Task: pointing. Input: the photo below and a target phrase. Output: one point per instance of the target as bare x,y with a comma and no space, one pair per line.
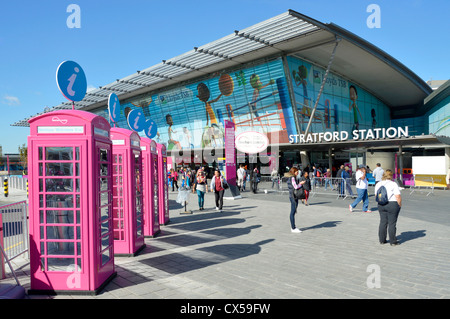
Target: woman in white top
389,212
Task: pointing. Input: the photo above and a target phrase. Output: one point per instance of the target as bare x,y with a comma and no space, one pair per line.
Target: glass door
118,197
104,200
139,203
60,197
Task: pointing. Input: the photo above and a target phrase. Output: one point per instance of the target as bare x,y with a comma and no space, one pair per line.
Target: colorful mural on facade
343,106
192,116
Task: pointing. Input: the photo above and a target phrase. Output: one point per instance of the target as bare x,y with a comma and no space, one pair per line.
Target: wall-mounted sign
114,107
357,135
251,142
71,80
150,129
136,120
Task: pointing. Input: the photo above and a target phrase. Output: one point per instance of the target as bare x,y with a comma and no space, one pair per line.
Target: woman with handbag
201,188
294,195
218,186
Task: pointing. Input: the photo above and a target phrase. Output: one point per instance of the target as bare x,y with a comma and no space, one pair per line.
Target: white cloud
90,88
11,100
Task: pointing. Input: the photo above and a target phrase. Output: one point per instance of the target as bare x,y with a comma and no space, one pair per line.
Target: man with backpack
389,199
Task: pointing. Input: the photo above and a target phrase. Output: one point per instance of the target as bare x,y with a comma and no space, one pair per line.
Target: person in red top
217,187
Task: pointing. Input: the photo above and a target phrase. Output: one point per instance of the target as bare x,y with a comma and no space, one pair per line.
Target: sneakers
217,208
351,208
367,211
296,230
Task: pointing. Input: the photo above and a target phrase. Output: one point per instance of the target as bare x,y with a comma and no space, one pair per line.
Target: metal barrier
14,225
336,186
268,185
16,182
425,183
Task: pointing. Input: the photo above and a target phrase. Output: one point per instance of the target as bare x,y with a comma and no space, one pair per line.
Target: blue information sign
71,80
150,129
136,120
114,107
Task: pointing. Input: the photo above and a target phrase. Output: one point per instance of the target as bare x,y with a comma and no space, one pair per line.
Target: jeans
362,196
294,205
219,198
328,181
201,198
388,221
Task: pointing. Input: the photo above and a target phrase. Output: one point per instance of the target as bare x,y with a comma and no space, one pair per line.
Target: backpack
381,196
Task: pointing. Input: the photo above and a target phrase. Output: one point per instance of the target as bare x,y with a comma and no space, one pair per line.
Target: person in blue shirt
347,178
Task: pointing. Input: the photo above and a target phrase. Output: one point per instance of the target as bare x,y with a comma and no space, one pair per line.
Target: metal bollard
5,187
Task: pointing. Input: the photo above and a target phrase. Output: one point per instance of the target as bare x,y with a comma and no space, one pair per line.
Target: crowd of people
298,183
299,186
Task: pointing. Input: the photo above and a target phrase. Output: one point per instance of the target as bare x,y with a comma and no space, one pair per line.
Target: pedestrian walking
346,182
306,184
274,176
389,212
241,175
328,179
174,176
201,188
255,179
361,189
378,173
293,184
217,186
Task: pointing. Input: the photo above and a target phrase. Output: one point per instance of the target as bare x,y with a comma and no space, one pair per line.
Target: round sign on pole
136,120
251,142
150,129
71,81
114,107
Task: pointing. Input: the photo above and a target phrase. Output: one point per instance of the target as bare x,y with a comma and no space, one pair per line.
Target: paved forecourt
248,251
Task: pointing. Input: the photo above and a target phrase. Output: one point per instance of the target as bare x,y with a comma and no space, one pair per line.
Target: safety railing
16,182
334,186
423,184
14,229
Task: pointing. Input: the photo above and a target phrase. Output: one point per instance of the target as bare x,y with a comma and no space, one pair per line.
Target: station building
319,93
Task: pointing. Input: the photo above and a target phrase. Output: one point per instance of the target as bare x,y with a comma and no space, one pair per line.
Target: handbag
299,193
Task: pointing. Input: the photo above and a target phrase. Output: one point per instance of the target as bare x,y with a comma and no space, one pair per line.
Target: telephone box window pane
59,185
60,232
60,248
104,169
77,169
105,257
78,217
105,242
59,217
59,153
59,169
78,201
41,185
104,184
77,153
104,198
78,232
40,152
60,264
41,169
103,155
59,201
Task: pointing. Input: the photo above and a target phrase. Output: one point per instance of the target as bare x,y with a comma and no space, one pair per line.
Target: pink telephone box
70,203
163,187
127,192
150,186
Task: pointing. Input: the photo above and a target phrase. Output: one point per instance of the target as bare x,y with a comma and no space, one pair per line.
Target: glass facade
343,105
256,97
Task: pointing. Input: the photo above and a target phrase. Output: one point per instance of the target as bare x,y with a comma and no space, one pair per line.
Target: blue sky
117,38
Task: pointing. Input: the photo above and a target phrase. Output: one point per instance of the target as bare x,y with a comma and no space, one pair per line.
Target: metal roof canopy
290,33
